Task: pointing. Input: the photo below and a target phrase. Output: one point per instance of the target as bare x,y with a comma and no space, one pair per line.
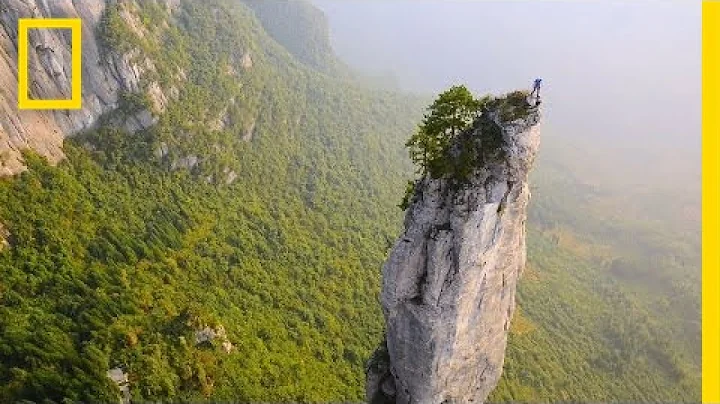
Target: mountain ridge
106,76
262,202
226,212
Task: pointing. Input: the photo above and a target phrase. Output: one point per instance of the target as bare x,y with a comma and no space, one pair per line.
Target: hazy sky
623,71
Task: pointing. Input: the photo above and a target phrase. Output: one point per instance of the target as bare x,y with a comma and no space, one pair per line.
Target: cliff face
105,76
448,291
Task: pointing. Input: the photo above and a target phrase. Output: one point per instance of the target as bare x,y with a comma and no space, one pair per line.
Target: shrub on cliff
511,107
451,113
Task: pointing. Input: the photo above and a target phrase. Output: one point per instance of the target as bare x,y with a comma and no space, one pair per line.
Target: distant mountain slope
106,76
610,302
302,29
231,251
217,229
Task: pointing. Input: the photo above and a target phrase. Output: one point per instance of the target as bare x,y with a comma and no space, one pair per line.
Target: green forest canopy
116,259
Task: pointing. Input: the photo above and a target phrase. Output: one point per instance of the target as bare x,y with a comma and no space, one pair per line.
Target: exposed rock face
208,335
119,377
246,62
4,235
104,77
449,283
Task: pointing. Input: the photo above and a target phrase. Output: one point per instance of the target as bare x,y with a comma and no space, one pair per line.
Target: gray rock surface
209,335
448,290
120,378
104,76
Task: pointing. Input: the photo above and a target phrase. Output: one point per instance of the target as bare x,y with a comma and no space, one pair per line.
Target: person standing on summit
536,91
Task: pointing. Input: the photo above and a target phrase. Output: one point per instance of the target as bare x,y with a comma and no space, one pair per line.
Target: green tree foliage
447,124
113,31
606,329
116,258
451,113
512,106
302,29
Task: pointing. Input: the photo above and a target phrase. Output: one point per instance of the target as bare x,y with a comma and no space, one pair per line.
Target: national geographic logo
75,27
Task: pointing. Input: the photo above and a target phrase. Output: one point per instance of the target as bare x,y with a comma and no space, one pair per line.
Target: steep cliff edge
106,76
448,290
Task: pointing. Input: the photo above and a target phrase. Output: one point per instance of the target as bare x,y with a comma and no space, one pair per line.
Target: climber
536,91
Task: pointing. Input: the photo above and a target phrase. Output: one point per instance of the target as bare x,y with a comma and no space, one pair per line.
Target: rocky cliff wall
105,75
448,291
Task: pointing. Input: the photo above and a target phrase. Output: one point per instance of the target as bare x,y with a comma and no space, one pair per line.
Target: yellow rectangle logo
711,203
75,27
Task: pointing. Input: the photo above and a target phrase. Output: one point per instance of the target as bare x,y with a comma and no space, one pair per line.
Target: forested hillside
300,28
272,225
610,300
260,207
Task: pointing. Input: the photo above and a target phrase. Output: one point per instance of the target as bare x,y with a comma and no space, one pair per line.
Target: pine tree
451,113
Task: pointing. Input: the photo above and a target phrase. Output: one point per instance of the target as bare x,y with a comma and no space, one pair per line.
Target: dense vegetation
446,143
117,260
610,300
263,201
302,29
451,113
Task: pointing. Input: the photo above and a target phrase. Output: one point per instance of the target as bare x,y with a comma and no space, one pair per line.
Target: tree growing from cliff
451,113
